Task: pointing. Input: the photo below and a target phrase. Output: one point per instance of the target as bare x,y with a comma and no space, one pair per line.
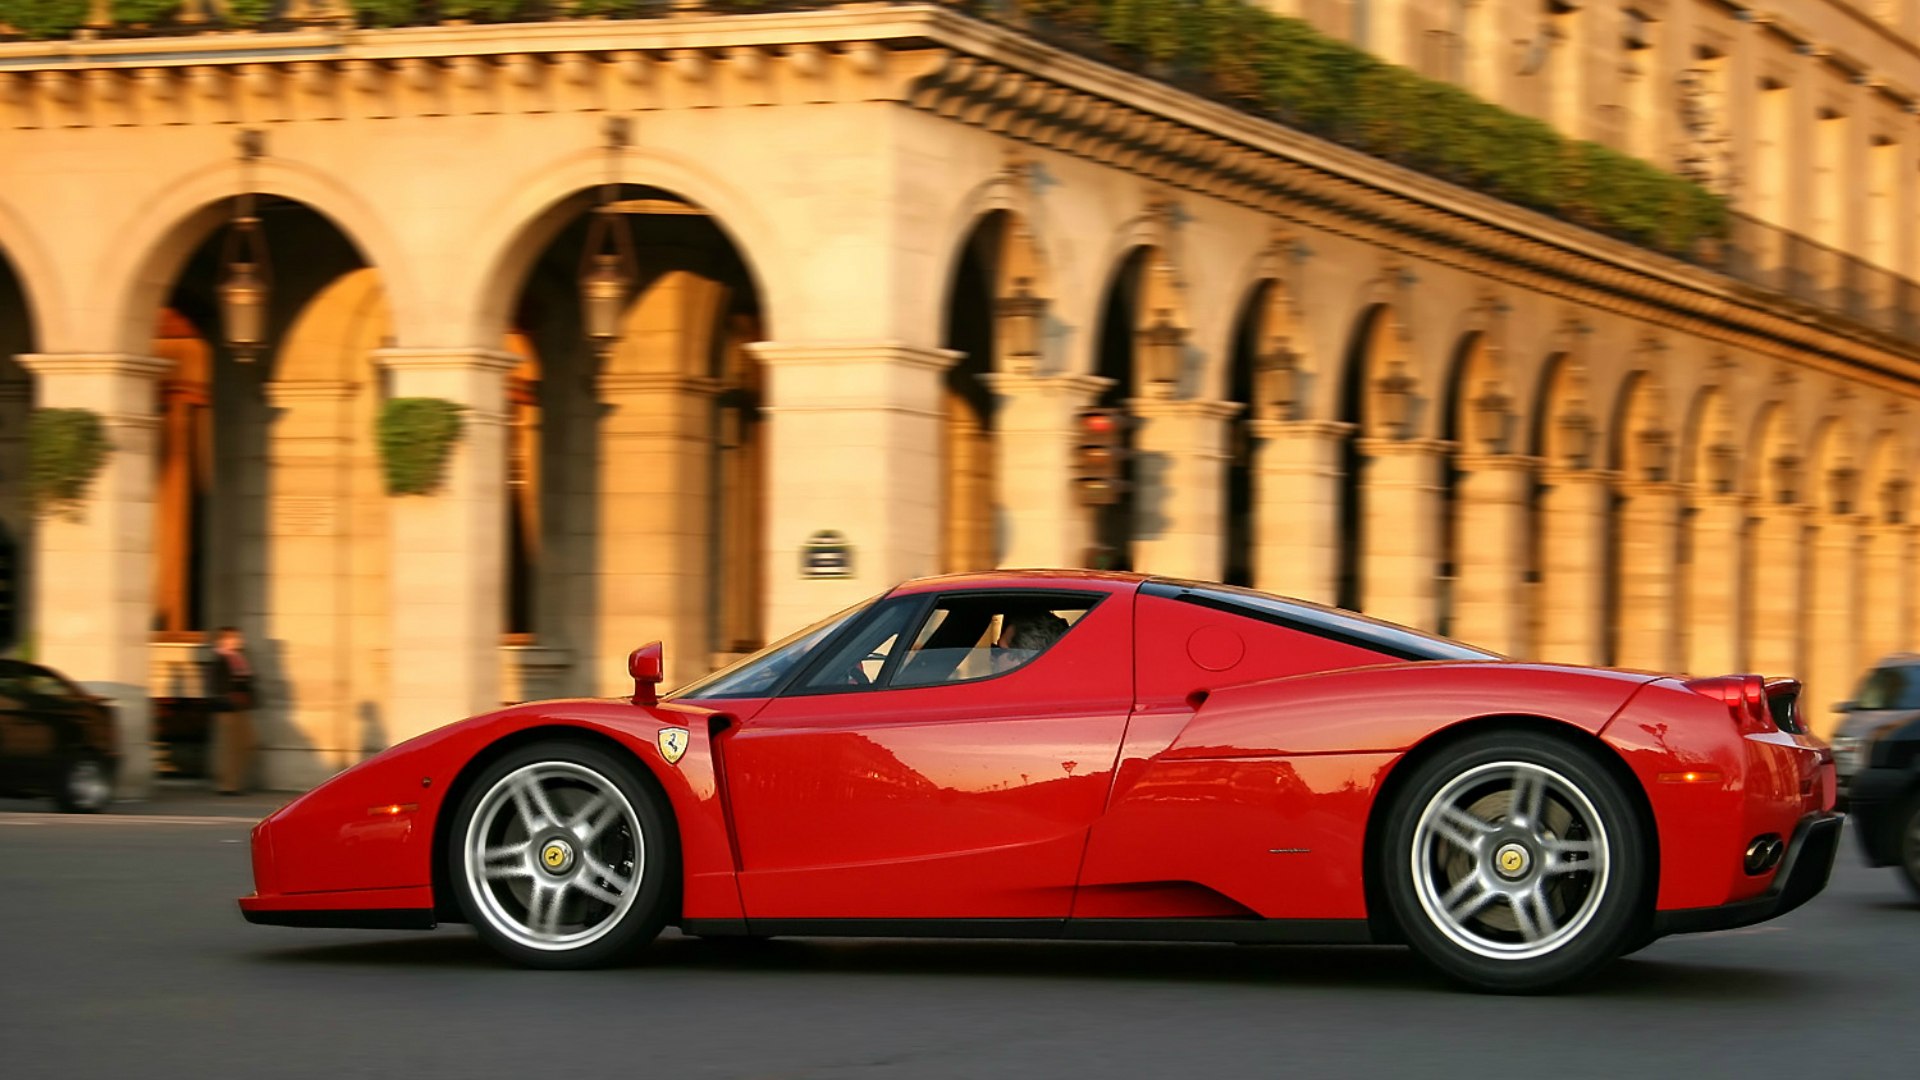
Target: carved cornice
974,73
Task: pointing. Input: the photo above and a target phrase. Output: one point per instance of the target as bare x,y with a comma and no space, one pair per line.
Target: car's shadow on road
1319,967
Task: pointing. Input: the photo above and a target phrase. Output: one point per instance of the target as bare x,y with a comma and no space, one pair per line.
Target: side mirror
647,664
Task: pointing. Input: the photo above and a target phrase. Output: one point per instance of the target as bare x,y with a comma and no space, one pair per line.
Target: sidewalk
178,798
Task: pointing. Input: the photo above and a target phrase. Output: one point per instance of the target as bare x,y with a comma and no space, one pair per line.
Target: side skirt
1245,931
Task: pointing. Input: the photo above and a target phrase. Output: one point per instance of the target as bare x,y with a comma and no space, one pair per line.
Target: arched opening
1712,550
1114,525
16,512
268,514
1262,343
1832,580
1773,575
978,281
1642,533
635,469
1355,409
1568,514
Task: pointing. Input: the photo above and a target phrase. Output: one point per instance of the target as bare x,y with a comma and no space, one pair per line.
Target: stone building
878,256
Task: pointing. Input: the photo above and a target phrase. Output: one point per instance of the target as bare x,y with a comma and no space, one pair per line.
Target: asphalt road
121,955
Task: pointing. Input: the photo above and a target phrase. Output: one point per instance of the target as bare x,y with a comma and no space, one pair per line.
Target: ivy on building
66,449
416,437
1230,50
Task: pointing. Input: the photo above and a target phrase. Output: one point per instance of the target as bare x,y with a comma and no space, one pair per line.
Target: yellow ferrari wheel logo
1510,861
555,855
673,744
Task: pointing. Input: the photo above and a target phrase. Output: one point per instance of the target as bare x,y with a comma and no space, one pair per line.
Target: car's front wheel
561,856
85,786
1514,863
1910,844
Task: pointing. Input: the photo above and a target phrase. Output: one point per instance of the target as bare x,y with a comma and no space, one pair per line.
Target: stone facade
1501,426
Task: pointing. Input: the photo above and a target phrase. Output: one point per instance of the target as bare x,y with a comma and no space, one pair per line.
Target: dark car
55,739
1883,741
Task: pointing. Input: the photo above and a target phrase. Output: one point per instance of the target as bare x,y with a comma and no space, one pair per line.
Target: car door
928,765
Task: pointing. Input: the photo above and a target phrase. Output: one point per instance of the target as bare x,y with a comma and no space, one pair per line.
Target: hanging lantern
1495,410
1163,341
1844,478
1786,474
1278,376
1576,437
1396,401
1894,496
1720,466
607,274
1656,450
245,286
1020,316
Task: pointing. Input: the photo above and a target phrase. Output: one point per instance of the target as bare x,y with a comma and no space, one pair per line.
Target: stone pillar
449,548
305,728
1715,607
1296,499
1490,552
1777,615
1888,595
1400,501
1649,625
93,594
656,512
1037,520
1833,623
1573,527
1179,492
853,448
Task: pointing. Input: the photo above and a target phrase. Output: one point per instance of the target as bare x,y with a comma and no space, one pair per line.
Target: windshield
763,672
1889,688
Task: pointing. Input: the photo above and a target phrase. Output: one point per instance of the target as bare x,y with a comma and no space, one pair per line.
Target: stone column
1179,494
93,594
1833,640
306,725
1715,606
1037,520
1296,498
853,448
1490,551
656,512
1400,501
1573,528
1887,596
1649,625
1777,615
449,548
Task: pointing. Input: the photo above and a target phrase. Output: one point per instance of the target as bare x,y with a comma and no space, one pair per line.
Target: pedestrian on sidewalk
231,686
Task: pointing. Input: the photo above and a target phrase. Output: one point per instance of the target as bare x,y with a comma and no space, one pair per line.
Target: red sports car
1089,756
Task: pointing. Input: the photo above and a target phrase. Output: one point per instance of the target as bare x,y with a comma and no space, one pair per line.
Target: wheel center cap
1511,861
556,856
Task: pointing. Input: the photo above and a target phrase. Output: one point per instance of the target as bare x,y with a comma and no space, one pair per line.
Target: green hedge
1235,51
65,451
416,437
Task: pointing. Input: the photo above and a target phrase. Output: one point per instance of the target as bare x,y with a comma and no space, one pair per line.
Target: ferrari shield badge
673,744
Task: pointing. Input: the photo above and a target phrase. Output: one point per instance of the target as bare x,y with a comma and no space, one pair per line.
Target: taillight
1745,697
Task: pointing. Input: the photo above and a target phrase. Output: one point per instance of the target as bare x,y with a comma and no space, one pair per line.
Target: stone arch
159,237
35,278
1709,457
1886,497
1774,467
1640,443
17,335
1833,476
513,232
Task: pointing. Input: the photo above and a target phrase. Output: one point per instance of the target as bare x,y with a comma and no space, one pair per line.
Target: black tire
1567,922
85,784
490,905
1910,844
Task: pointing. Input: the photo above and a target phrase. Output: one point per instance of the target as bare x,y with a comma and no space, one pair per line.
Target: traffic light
1100,458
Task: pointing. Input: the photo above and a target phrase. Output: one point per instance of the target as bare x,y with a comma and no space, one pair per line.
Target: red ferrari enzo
1089,756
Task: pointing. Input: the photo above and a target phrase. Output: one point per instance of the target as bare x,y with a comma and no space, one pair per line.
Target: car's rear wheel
561,854
85,787
1514,863
1910,844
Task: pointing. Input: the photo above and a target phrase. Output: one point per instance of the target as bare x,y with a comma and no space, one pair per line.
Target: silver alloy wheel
1510,860
554,856
87,785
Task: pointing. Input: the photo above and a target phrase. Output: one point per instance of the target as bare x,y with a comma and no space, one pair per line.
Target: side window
977,637
858,662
